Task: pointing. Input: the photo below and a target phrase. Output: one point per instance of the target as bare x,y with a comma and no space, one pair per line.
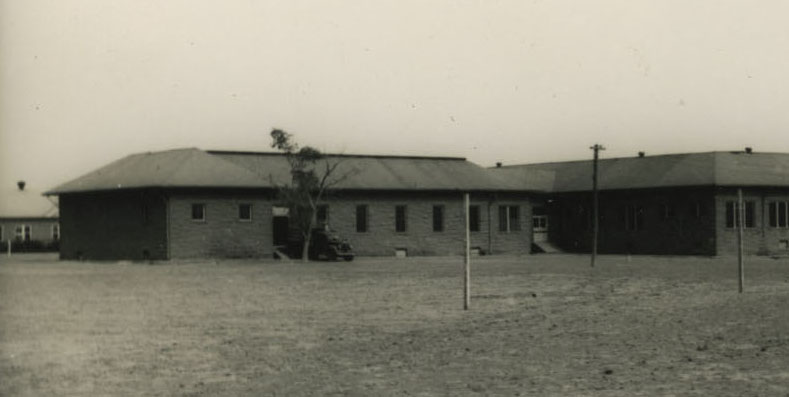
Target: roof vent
641,154
21,185
498,164
749,150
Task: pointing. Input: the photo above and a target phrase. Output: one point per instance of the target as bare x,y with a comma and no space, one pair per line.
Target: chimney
641,154
498,164
749,150
21,185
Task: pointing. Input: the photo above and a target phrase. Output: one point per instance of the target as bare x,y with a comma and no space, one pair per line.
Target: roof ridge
387,156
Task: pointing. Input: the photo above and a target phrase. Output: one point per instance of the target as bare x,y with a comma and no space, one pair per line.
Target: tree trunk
305,250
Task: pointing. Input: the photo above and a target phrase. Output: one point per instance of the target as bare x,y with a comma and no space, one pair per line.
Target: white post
740,248
467,254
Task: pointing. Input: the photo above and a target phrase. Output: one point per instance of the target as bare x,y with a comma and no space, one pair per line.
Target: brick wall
762,239
119,225
683,232
381,239
222,234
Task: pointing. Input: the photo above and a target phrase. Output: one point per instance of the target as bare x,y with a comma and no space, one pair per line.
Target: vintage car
326,245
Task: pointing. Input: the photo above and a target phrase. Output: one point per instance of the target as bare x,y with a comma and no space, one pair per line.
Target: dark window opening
733,214
245,212
509,218
400,218
634,217
361,218
198,212
777,214
438,218
473,218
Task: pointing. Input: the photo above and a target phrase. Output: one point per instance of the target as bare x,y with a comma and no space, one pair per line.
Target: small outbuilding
28,220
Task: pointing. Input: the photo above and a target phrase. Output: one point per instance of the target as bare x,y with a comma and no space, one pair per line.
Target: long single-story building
28,221
665,204
189,203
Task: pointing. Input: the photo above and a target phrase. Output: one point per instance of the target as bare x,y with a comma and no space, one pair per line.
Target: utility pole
467,256
740,225
595,201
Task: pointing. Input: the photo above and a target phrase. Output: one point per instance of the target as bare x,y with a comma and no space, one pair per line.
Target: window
473,218
56,232
438,218
361,218
322,214
245,212
778,214
733,214
697,209
509,218
633,217
198,212
144,213
400,218
23,233
666,211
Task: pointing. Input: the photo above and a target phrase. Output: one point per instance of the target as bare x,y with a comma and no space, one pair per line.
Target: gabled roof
218,169
673,170
171,168
27,203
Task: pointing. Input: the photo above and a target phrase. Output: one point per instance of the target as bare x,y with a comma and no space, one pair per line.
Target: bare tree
312,174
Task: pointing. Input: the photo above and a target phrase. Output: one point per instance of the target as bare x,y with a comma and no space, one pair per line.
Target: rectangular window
400,218
198,212
514,218
322,214
777,214
697,209
245,212
361,218
473,218
634,217
666,211
509,218
56,232
438,218
23,233
733,214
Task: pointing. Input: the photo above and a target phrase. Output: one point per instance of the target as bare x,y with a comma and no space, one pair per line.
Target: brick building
28,220
667,204
190,203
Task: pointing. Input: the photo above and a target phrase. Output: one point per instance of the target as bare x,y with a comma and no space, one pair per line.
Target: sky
86,82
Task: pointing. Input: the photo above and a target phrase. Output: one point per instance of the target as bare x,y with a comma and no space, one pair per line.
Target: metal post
740,229
8,243
595,201
467,261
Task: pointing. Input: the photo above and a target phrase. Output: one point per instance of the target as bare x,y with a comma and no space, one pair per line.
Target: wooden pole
595,201
467,259
740,229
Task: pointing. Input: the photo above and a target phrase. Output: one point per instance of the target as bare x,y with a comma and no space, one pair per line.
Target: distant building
190,203
28,220
667,204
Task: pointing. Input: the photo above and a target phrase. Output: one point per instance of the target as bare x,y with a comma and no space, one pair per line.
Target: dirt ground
538,325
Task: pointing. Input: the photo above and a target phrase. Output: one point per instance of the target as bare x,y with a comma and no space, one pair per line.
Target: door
539,224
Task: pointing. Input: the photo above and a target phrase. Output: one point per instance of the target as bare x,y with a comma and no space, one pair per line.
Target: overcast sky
85,82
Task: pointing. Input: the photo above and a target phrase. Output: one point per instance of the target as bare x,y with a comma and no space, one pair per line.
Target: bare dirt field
539,325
